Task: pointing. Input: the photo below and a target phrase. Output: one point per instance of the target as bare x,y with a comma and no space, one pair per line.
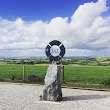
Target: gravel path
26,97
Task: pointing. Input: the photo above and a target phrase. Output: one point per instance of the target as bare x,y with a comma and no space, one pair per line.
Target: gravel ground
26,97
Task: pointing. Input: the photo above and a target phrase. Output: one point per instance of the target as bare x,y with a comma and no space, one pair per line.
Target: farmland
89,61
74,74
8,71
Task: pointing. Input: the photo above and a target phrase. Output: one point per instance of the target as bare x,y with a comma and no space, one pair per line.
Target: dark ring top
62,50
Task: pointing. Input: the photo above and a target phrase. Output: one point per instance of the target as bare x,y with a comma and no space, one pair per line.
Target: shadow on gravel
84,97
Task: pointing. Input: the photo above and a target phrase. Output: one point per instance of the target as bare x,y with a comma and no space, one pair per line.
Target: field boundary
81,88
69,87
26,84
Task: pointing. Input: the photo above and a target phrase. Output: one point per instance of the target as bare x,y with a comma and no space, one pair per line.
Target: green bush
106,82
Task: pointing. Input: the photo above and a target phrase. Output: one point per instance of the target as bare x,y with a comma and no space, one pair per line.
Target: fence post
63,73
23,72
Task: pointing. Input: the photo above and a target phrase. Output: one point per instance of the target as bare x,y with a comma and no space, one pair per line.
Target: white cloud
86,33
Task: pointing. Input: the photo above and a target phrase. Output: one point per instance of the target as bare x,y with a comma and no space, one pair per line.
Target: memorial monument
55,51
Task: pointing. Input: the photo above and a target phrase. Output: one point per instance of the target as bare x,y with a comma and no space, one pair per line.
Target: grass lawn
76,74
8,71
87,74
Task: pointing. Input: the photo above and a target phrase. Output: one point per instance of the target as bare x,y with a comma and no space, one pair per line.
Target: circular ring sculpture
55,50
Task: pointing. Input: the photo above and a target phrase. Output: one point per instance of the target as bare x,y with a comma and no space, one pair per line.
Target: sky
27,26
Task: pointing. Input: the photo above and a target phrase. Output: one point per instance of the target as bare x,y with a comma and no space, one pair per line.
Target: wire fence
74,74
21,71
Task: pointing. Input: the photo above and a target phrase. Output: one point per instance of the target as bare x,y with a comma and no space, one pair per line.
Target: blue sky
27,26
39,9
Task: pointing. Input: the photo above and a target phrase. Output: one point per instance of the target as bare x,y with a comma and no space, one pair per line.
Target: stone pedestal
52,90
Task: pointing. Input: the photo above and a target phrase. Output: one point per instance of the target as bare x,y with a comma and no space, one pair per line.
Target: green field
75,74
8,71
87,74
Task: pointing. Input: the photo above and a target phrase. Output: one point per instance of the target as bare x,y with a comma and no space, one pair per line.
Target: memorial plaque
55,50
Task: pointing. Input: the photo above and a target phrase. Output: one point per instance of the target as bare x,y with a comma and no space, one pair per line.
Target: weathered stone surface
52,90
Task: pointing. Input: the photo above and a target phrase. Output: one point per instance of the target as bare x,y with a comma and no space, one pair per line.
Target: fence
21,71
74,74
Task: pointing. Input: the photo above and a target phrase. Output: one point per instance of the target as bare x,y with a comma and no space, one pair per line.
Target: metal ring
62,50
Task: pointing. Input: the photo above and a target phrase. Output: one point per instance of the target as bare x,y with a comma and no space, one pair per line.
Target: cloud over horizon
87,34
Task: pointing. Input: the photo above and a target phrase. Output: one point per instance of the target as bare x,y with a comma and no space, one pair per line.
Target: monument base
52,90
